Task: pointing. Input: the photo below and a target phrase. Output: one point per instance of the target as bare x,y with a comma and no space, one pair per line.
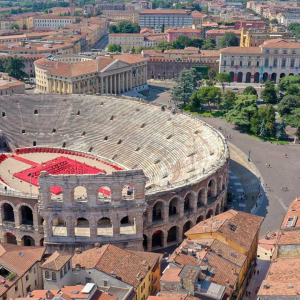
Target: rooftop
291,219
56,261
164,11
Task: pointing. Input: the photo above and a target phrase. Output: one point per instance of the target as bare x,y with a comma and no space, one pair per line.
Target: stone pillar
111,83
18,217
70,227
106,84
130,79
116,226
50,86
55,86
181,208
146,74
102,85
88,86
193,202
149,244
126,80
149,215
97,84
165,213
179,234
64,87
93,229
19,241
79,87
115,83
165,239
119,83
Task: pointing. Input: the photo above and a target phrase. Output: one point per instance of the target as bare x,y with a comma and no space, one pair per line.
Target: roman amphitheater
81,169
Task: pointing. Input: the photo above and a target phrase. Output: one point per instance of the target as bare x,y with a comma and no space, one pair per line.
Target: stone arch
217,211
104,194
240,77
7,212
172,235
82,227
273,77
157,239
127,225
187,226
212,188
56,193
232,76
27,240
26,215
42,242
282,75
256,77
200,219
158,211
209,214
187,205
174,206
80,194
248,77
265,76
104,227
59,226
10,238
202,197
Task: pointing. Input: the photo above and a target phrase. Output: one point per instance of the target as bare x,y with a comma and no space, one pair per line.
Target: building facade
272,60
24,21
170,18
173,34
54,22
78,74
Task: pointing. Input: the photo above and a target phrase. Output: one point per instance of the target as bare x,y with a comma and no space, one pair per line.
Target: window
266,62
47,274
241,63
249,63
65,269
105,283
28,289
292,62
257,63
53,276
275,63
69,265
27,277
35,283
88,280
61,273
16,288
232,63
34,271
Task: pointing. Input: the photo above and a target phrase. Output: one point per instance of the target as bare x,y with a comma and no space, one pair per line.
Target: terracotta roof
164,11
183,30
125,265
289,237
68,293
130,58
280,44
239,227
55,17
223,31
168,296
293,212
171,275
197,14
43,294
56,261
209,24
18,259
241,50
151,257
207,53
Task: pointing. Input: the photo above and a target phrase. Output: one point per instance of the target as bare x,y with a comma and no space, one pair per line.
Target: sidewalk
256,280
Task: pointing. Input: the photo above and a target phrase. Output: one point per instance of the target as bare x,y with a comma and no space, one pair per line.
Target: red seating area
59,165
57,190
61,151
3,157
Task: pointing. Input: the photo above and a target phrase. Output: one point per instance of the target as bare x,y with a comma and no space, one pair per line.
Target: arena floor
10,168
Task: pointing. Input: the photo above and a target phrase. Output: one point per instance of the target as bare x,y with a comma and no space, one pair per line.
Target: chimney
77,251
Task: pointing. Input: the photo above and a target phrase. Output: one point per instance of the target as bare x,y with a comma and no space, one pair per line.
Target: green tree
164,46
255,123
266,114
285,82
263,130
288,104
127,48
293,89
112,29
2,68
181,42
228,100
77,20
223,79
229,40
114,48
250,90
163,28
195,103
269,93
295,29
209,44
274,21
294,120
197,42
14,67
212,73
280,131
125,27
186,85
13,26
244,108
209,95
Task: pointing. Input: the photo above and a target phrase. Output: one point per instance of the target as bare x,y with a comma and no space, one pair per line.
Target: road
103,42
283,171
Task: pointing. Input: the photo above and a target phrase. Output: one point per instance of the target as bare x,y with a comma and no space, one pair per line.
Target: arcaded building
80,74
81,169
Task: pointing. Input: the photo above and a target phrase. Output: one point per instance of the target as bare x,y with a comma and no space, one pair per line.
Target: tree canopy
250,90
125,27
229,40
14,67
223,78
295,29
14,26
288,104
114,48
269,93
285,82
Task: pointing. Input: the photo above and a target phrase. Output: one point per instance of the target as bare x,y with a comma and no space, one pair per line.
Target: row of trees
125,27
14,67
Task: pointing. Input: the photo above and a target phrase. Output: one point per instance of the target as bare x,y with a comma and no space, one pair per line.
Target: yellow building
78,74
25,20
135,274
20,270
256,37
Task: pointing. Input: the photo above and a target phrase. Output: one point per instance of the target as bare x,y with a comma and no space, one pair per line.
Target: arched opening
172,235
199,219
157,239
82,227
265,77
187,202
217,209
211,188
26,215
59,227
145,242
10,238
28,241
209,214
282,75
34,143
157,211
232,76
128,225
240,77
273,77
256,77
8,213
42,242
104,227
56,193
104,194
187,226
128,192
248,77
80,194
173,207
201,198
291,74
